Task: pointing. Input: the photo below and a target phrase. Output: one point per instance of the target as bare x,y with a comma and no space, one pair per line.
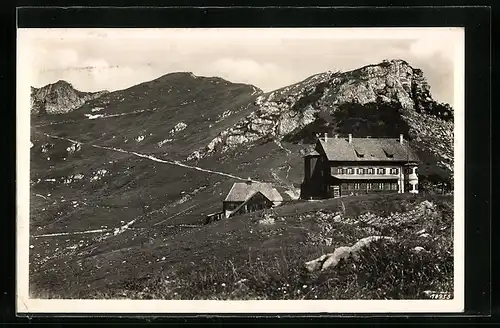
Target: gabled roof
241,191
366,149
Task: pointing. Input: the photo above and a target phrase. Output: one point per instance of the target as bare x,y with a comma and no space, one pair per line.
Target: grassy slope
209,262
134,188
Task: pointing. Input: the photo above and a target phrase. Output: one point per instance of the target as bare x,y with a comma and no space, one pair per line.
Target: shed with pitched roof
242,192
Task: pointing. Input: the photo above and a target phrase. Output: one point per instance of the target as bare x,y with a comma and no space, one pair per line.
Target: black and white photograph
240,170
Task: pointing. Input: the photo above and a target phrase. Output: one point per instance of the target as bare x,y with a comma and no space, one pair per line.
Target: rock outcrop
59,98
395,84
291,108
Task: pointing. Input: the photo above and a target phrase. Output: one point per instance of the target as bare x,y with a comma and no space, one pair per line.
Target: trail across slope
152,158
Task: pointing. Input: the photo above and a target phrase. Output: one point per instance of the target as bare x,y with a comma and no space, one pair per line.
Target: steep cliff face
383,99
59,97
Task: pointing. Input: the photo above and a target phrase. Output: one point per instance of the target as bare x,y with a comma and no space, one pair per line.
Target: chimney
350,138
401,138
326,137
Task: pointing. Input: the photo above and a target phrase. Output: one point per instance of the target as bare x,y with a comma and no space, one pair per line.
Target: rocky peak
59,97
292,108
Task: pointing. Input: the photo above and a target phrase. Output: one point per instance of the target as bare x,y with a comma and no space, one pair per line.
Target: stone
419,249
330,260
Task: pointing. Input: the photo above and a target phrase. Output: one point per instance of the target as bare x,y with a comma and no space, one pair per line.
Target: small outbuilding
250,196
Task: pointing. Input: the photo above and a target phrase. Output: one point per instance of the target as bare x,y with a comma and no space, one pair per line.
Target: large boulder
331,260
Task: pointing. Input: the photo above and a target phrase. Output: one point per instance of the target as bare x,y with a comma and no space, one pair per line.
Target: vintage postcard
282,170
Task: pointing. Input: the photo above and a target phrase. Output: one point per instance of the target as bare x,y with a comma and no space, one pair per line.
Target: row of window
370,170
370,186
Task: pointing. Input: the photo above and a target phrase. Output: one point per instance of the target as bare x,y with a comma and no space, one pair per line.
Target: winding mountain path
152,158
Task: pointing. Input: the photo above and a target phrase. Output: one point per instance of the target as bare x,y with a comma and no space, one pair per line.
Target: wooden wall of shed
229,206
257,202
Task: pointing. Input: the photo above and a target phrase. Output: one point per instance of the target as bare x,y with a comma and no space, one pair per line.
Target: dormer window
388,153
359,153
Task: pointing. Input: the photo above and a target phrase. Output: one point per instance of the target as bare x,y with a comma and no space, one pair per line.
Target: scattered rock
161,143
328,241
178,127
342,253
267,221
195,155
99,175
419,249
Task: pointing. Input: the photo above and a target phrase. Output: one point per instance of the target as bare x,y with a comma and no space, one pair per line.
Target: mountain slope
59,97
377,100
132,168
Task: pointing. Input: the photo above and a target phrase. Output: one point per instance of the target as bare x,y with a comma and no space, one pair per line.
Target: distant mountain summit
59,97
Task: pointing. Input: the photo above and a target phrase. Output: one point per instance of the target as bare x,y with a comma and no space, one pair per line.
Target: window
394,186
360,171
350,186
362,186
380,171
356,186
359,152
389,153
343,186
369,186
344,170
394,170
371,170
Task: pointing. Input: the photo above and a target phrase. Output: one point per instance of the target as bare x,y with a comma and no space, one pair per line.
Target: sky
114,59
